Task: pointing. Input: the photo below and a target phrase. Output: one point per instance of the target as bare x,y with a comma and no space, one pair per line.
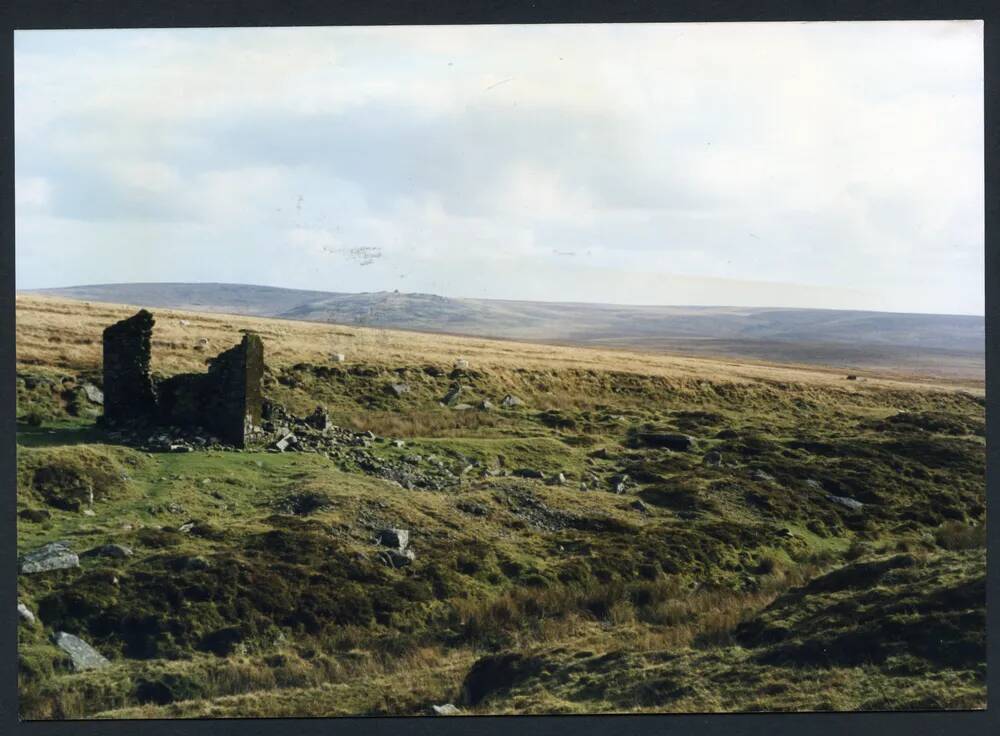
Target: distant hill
944,345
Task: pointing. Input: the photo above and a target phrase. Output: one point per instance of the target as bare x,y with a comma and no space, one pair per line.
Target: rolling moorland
947,346
590,530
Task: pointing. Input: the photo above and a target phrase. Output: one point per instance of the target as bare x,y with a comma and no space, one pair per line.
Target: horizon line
489,299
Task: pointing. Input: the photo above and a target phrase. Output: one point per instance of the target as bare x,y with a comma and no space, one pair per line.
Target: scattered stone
89,512
814,484
184,322
557,480
713,459
398,539
25,613
619,482
667,440
93,394
399,444
451,397
639,506
53,556
461,363
852,377
338,357
762,476
601,453
180,448
395,558
186,528
527,473
284,443
83,656
510,402
462,407
846,502
445,710
319,419
399,389
485,405
116,551
786,533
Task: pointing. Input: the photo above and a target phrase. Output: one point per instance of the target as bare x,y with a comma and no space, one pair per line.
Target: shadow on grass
59,434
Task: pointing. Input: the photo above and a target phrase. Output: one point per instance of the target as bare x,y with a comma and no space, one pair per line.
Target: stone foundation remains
227,400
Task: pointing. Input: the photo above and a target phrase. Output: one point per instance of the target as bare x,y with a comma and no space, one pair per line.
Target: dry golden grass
67,334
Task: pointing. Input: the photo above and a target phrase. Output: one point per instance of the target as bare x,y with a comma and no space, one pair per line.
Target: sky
834,165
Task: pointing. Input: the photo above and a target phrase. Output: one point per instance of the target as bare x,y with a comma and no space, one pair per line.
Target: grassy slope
725,593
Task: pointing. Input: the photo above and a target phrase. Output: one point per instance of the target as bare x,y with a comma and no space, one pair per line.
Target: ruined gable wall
235,399
128,387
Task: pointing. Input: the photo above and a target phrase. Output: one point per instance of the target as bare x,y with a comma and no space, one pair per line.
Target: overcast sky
790,164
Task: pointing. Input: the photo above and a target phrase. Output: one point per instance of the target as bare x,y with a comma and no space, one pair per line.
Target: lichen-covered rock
445,710
53,556
25,614
93,394
82,655
848,503
399,389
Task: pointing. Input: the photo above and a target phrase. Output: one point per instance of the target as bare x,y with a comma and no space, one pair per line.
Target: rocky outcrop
397,541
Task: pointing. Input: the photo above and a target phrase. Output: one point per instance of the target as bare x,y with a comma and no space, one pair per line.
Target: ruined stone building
227,400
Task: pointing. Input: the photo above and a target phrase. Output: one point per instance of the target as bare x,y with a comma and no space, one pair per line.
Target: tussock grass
634,602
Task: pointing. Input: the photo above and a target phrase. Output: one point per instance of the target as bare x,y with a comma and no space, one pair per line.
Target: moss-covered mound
918,613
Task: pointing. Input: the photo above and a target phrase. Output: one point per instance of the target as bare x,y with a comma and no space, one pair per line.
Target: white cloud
844,157
31,192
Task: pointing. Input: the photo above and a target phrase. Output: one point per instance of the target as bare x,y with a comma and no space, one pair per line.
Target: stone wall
182,398
235,400
227,401
128,388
